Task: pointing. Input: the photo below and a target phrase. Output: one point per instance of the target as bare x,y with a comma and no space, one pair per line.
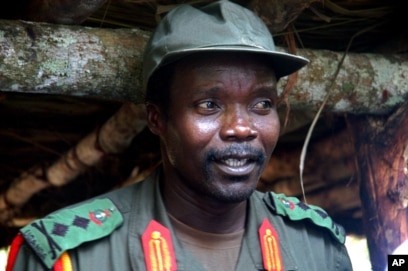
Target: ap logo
397,262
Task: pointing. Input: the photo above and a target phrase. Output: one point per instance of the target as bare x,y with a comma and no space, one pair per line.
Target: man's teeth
231,162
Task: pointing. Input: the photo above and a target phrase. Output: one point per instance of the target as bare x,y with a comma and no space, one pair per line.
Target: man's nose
237,125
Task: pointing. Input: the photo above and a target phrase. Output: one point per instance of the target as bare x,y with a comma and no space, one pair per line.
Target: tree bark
71,60
83,61
382,154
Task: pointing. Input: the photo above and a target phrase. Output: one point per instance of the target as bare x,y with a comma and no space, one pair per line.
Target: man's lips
236,159
235,162
237,166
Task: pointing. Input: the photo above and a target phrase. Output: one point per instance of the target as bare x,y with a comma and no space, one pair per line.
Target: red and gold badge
158,248
270,247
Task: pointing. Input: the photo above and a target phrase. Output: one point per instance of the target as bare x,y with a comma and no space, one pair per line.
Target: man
210,77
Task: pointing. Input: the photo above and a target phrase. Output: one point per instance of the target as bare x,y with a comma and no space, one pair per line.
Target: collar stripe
269,240
158,248
14,249
63,263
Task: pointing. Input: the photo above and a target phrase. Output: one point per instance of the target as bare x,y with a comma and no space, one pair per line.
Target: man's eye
263,105
207,105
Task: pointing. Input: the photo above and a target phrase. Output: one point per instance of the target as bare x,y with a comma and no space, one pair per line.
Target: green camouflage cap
216,27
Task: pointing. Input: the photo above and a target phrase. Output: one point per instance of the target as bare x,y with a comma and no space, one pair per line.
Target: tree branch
113,137
83,61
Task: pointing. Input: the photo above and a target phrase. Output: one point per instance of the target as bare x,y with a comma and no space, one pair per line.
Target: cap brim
282,63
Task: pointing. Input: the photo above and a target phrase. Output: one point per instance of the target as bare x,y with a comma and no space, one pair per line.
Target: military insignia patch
66,229
293,208
269,240
158,248
99,216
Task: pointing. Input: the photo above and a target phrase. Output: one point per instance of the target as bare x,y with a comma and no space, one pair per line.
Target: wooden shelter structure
71,118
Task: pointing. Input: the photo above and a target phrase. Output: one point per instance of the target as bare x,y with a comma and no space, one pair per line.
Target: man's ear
155,119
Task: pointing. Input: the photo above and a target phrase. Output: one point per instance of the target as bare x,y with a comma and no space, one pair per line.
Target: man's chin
230,188
233,194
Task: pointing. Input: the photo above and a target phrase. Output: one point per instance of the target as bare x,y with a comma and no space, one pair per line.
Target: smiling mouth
235,162
236,159
236,166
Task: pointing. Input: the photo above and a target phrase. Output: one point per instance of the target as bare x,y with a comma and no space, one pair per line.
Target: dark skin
216,138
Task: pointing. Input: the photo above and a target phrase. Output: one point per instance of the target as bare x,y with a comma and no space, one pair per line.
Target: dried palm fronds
327,24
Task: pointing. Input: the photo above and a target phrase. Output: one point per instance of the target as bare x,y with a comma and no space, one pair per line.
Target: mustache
236,150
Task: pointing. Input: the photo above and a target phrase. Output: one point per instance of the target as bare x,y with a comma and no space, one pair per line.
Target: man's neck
204,214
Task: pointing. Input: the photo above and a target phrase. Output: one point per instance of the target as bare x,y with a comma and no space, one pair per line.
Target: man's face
221,128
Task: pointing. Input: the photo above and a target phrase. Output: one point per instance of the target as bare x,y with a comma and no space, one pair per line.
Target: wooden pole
59,11
382,154
107,63
112,138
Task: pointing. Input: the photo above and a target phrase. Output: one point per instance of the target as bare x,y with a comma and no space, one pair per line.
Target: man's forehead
209,61
210,76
